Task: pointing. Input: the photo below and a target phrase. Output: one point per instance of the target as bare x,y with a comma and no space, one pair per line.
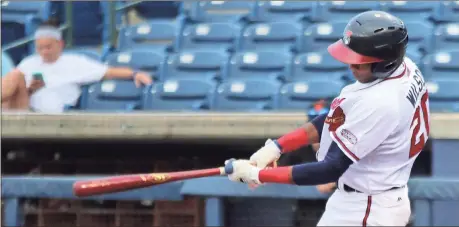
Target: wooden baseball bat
135,181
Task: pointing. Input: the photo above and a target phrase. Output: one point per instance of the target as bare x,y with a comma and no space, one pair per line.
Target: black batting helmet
373,37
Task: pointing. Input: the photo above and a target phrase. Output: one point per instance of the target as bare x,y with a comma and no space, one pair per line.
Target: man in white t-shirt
51,80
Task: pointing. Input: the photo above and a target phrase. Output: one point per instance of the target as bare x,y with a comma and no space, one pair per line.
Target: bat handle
228,169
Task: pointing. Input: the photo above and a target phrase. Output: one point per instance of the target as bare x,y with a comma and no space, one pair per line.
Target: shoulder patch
349,136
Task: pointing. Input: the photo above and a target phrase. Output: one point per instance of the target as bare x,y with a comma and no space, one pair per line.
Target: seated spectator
51,80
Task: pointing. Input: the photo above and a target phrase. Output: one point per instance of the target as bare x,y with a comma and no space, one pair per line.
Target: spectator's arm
119,73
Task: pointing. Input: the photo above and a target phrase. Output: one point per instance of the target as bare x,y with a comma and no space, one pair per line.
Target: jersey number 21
417,147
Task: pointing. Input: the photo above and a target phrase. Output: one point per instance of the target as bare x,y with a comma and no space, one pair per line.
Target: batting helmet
374,37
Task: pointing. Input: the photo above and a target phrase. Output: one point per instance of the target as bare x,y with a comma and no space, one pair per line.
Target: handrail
113,10
128,5
66,26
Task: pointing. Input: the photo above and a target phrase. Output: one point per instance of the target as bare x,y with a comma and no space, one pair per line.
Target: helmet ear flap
384,69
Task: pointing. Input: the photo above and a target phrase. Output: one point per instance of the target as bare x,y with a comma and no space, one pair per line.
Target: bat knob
229,166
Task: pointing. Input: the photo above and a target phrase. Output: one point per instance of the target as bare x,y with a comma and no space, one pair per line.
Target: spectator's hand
142,78
35,86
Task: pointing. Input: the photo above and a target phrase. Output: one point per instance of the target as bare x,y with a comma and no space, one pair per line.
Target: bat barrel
108,185
129,182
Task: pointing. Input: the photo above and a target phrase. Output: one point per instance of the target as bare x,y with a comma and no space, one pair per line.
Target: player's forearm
119,73
308,134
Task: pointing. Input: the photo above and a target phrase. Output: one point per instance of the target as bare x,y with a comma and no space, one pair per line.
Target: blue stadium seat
213,36
342,10
246,95
446,11
179,94
41,9
318,36
198,64
443,94
441,65
154,34
420,38
220,11
157,9
302,94
7,63
416,58
277,11
89,21
446,37
112,95
93,54
319,66
272,65
278,36
410,10
144,60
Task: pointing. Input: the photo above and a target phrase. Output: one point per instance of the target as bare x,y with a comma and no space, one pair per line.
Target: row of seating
253,94
439,11
172,36
281,66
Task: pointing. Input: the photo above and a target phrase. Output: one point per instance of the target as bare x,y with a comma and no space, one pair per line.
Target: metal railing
67,27
114,8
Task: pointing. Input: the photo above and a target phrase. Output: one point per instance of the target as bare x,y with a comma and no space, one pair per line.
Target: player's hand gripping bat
135,181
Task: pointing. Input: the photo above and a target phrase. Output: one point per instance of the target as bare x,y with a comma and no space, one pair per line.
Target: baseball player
371,136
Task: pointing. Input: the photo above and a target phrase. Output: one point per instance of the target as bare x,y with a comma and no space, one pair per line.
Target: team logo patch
347,37
349,136
336,120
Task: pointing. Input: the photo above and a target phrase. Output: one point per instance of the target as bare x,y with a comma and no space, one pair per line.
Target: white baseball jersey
381,126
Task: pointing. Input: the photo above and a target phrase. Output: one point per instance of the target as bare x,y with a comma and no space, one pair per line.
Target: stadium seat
112,95
7,63
277,36
40,9
154,34
320,66
318,36
342,10
446,37
420,38
213,36
220,11
415,57
93,54
443,94
410,10
246,95
198,64
157,9
441,65
179,94
90,23
277,11
446,11
144,60
271,65
302,94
